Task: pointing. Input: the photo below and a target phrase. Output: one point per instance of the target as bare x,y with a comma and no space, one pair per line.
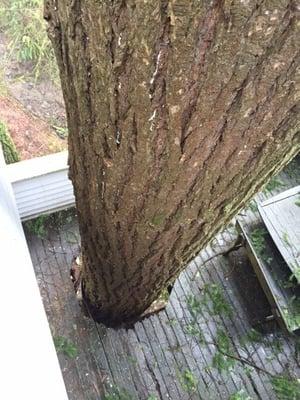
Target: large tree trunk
178,112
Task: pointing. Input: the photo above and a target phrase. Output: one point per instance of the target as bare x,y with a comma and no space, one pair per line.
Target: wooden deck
282,218
175,354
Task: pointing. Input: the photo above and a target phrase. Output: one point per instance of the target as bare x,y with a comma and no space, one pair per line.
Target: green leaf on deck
65,346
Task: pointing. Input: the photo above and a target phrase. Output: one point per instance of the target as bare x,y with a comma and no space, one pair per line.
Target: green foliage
286,388
286,239
132,360
188,381
61,131
274,343
152,397
289,283
293,169
194,305
9,149
214,293
240,395
222,360
37,226
295,267
297,202
23,22
116,393
258,240
164,295
292,313
192,329
273,184
252,336
65,346
213,298
252,205
277,345
248,370
171,322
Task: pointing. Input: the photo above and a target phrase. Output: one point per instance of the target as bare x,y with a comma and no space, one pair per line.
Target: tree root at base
90,311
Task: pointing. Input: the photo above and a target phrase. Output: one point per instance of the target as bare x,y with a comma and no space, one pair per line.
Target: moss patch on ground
9,149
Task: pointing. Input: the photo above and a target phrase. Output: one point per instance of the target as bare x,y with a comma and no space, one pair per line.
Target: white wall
29,365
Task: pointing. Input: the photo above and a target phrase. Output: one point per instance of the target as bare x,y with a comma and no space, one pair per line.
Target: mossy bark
178,111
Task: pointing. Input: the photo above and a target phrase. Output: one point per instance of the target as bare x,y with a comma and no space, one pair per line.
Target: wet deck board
170,355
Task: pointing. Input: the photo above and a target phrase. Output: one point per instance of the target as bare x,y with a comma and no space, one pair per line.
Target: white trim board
30,368
41,185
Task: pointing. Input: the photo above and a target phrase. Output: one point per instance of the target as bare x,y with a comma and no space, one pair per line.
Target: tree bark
178,111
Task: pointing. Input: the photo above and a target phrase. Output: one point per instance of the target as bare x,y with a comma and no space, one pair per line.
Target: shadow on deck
179,353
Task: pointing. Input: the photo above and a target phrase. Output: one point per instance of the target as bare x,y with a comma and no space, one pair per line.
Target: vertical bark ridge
204,40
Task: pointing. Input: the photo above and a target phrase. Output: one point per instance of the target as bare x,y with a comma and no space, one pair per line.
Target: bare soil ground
32,135
31,108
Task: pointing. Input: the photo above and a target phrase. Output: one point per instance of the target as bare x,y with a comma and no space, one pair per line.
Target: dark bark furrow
202,46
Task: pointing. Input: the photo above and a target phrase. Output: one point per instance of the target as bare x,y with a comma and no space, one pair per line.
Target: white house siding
41,185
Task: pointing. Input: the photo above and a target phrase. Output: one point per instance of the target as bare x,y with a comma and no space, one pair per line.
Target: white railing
30,368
